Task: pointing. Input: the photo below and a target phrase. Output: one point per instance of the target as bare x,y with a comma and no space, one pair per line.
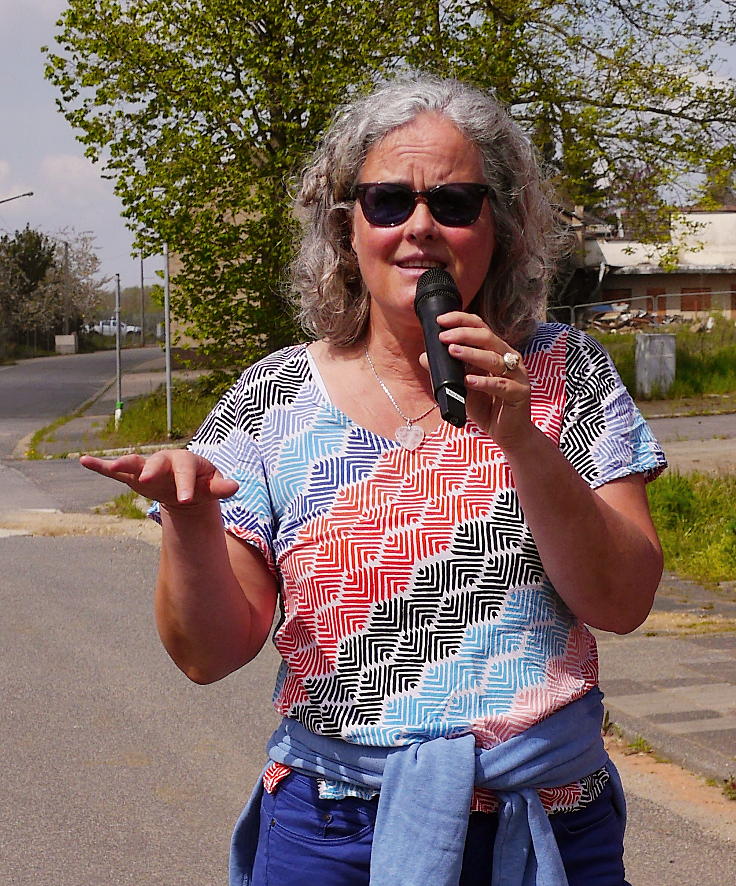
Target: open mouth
420,264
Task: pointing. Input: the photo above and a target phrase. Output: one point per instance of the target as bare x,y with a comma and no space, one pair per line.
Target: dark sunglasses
454,205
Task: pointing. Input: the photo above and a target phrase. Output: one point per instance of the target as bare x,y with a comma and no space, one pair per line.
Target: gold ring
511,361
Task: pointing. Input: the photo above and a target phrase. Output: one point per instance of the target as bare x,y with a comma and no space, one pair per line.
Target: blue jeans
305,841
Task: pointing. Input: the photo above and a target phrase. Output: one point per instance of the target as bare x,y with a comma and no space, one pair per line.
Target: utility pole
67,296
118,363
167,342
143,308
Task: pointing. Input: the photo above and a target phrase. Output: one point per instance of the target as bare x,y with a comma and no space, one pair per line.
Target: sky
39,153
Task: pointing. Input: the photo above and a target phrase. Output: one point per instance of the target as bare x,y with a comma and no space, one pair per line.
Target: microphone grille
434,280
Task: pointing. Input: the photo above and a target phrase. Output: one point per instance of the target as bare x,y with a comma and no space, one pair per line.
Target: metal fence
570,314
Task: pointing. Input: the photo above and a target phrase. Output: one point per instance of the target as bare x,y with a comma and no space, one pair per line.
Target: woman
438,683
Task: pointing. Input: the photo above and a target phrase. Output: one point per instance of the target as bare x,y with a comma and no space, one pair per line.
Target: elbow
635,600
199,676
204,673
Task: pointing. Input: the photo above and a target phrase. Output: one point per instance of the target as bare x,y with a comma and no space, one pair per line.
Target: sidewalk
83,434
673,681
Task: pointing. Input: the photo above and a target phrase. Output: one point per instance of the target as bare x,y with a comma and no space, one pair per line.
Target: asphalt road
35,392
115,767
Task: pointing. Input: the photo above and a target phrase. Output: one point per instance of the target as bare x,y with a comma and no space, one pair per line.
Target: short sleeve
228,440
604,435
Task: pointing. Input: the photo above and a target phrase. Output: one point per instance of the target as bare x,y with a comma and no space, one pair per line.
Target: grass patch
729,787
705,362
129,505
144,419
694,515
639,746
46,433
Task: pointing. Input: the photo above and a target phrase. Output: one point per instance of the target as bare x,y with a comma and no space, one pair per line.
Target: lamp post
17,197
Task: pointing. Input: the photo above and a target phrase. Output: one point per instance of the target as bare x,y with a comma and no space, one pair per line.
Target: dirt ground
689,796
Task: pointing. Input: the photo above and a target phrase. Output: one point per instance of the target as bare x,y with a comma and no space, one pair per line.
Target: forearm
204,619
605,564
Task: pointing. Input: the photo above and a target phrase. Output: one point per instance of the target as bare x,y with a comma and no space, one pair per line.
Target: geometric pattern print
413,600
604,435
390,634
568,798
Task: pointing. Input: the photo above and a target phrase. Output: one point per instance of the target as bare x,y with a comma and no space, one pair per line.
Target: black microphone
437,294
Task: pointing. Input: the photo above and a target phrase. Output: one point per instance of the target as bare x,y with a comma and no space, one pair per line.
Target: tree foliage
203,111
48,283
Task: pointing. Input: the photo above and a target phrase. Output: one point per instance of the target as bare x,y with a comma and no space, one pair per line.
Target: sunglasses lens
456,205
387,205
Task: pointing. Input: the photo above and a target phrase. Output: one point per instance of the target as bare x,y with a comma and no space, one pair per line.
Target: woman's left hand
498,397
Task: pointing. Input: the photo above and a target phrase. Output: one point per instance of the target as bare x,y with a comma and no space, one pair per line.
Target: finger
460,318
489,361
500,387
126,464
223,487
156,466
476,335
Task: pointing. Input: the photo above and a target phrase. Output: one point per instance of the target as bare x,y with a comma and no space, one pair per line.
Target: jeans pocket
298,812
600,813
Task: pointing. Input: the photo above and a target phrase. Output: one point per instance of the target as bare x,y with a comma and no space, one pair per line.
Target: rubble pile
626,322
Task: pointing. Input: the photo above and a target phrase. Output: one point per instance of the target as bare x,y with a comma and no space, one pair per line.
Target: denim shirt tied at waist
426,789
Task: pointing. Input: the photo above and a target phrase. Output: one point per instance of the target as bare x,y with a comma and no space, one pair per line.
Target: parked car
109,327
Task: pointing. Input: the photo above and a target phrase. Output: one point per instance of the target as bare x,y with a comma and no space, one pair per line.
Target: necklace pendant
409,436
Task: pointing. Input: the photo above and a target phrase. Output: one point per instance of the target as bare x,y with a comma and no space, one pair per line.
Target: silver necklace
409,435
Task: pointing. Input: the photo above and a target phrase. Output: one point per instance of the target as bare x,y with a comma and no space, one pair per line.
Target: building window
695,299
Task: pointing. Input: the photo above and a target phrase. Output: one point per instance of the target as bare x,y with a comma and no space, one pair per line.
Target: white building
692,275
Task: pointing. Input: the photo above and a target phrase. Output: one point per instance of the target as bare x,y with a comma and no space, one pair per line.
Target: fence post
654,363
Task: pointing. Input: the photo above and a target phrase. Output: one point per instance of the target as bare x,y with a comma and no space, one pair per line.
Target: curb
680,749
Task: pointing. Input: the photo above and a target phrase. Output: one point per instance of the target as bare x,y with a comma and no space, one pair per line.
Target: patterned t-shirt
413,600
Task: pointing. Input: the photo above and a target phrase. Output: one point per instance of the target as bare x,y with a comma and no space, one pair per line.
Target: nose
421,223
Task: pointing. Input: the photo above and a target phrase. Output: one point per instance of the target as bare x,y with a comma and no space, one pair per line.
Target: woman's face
427,152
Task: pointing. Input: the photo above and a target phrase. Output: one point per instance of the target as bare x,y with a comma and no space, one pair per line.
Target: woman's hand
174,477
498,398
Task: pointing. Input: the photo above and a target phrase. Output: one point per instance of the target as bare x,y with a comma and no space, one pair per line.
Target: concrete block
654,363
66,344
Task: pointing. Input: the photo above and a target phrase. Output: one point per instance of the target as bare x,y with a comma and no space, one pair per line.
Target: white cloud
72,180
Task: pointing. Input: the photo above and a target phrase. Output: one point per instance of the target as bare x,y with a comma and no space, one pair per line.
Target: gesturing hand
174,477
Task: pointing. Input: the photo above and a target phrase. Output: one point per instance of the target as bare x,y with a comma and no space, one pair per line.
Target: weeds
639,746
144,420
728,787
129,505
705,363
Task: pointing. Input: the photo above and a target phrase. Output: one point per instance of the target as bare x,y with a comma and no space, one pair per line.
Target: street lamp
17,197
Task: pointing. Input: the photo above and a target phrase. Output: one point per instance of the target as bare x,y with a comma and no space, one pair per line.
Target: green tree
48,283
203,112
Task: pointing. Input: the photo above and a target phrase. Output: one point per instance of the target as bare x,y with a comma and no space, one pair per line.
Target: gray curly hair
332,302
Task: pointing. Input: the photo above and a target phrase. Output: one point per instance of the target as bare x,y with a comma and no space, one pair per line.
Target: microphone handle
447,372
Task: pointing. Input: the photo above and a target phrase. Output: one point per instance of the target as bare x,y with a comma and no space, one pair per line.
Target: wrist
197,510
